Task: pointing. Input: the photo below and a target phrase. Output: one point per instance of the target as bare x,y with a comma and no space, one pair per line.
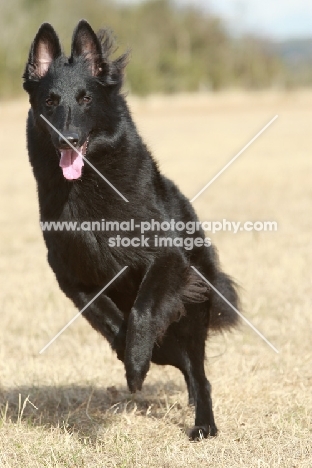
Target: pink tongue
71,162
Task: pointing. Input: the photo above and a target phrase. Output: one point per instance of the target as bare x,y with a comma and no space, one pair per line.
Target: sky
278,19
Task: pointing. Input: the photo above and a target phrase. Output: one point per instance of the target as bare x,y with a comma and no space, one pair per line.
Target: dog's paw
135,379
198,433
137,367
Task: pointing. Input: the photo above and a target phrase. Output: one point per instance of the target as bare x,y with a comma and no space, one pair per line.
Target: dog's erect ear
44,49
86,44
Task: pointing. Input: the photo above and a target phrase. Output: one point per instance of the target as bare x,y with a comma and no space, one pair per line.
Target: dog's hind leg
204,418
170,352
194,333
183,346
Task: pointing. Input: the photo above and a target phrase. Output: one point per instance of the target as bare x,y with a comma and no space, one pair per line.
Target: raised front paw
198,433
135,376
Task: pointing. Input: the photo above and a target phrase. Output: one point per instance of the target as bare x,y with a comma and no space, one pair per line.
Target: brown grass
263,401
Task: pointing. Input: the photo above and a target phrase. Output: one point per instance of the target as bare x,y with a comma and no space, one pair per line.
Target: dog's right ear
44,49
85,44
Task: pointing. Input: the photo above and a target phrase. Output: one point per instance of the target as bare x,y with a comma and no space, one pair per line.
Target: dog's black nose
67,138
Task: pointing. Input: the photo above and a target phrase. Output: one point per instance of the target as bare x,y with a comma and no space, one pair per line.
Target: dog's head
70,96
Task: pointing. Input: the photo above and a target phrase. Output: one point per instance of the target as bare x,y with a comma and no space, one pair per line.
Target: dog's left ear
86,44
43,51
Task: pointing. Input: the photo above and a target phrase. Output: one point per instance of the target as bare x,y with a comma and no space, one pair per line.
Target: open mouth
71,161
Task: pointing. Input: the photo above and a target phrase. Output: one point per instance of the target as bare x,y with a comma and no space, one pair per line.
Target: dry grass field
70,406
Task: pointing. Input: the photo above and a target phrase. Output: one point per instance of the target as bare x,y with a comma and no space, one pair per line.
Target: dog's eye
87,99
49,102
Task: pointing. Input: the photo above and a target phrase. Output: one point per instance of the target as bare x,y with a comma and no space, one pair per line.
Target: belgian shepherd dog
159,309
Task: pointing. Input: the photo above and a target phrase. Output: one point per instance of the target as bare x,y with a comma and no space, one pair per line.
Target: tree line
173,48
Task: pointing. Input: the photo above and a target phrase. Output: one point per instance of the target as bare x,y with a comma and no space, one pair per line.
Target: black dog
158,309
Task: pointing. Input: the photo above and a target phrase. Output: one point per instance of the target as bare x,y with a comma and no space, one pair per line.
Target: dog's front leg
157,305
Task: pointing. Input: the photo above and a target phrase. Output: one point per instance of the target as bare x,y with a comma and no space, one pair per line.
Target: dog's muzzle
71,160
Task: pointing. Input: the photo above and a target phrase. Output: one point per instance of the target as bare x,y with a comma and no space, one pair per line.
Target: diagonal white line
82,310
85,159
237,311
233,159
27,399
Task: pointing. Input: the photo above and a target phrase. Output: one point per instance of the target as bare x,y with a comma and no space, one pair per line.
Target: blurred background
177,45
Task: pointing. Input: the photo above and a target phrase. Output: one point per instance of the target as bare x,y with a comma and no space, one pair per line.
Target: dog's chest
77,247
